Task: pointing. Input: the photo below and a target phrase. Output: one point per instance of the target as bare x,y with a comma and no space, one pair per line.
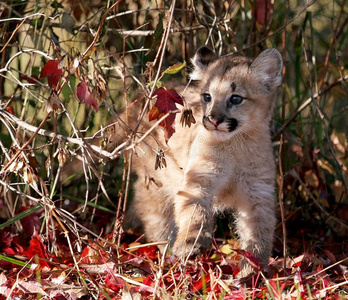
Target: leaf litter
38,266
106,271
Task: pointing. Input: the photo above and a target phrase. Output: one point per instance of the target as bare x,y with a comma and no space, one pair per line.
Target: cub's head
237,93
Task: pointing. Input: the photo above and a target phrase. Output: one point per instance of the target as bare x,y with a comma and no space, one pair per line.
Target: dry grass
66,216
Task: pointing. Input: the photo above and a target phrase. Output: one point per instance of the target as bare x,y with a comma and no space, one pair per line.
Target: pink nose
214,121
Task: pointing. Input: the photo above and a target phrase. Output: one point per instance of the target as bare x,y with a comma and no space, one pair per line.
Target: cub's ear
203,57
268,68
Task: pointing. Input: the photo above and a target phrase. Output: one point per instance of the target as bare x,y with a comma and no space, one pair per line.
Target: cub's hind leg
154,212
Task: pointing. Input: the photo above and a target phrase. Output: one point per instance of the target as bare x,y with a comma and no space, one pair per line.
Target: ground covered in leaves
67,68
99,269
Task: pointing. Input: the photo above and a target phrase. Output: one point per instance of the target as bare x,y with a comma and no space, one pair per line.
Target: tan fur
210,169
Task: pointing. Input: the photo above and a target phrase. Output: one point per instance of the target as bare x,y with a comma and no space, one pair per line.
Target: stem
14,157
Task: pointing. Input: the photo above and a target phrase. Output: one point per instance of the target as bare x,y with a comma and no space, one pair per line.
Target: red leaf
86,254
114,283
236,295
90,255
31,79
252,260
84,95
202,281
17,245
93,253
147,288
38,248
54,73
154,113
263,9
150,252
6,239
149,281
165,103
59,297
10,109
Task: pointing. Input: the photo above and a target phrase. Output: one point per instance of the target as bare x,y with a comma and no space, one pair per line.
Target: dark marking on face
226,68
233,86
205,121
234,64
268,87
232,124
230,65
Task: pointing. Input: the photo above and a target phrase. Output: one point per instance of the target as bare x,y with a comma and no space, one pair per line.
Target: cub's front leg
193,215
256,222
194,221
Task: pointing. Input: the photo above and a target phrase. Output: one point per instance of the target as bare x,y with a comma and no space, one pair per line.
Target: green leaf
15,261
175,68
89,203
21,216
158,84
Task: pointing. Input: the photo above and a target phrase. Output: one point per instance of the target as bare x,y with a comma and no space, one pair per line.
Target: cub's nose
215,121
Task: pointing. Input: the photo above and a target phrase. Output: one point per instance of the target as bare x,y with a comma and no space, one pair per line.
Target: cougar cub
224,161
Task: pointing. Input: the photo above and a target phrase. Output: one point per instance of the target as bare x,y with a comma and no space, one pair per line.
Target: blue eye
206,97
235,100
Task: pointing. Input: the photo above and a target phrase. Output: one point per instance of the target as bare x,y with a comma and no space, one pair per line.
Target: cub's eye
206,97
235,100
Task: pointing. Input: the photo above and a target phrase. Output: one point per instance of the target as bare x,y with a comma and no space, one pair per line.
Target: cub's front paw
191,246
246,270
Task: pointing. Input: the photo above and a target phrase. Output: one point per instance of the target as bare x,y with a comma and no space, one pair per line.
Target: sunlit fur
211,168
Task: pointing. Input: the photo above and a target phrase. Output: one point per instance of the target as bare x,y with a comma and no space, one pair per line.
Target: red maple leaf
37,248
84,94
165,103
53,71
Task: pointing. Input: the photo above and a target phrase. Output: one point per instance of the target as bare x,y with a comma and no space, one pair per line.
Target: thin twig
12,35
165,40
327,268
306,103
151,32
99,29
19,151
318,205
160,271
280,198
57,136
279,29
